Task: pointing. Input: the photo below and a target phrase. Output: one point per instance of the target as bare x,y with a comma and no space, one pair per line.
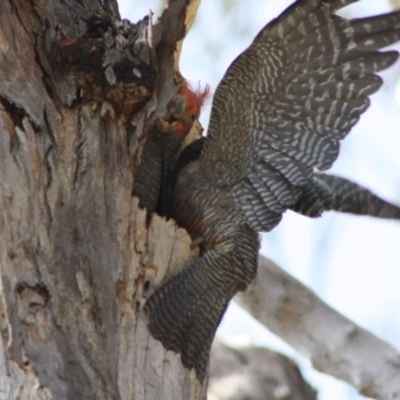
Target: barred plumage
278,115
151,174
329,192
161,148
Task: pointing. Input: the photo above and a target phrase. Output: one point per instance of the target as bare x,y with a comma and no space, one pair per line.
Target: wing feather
286,102
356,69
293,171
279,188
257,212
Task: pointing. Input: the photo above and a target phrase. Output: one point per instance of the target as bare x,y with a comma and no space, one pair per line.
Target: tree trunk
78,258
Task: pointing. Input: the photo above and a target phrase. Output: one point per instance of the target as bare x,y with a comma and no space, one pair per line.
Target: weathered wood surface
77,257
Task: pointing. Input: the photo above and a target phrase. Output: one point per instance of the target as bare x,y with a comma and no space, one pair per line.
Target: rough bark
77,256
333,344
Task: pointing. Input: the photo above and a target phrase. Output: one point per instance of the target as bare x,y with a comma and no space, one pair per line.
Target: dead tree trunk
77,256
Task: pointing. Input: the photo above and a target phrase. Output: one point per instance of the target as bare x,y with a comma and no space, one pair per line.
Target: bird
278,116
161,148
322,192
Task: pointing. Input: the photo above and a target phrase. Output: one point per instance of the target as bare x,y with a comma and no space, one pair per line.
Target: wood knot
32,302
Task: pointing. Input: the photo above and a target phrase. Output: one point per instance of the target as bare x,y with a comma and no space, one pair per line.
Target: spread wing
286,102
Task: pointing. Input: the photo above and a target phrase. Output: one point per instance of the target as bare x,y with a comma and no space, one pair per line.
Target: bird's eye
172,119
193,117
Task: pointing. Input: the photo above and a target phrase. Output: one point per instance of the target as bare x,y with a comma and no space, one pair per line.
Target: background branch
254,373
332,343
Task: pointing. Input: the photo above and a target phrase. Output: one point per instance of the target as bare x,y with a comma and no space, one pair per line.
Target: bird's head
186,109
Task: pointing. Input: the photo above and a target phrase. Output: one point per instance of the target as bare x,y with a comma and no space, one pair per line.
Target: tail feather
328,192
352,198
184,315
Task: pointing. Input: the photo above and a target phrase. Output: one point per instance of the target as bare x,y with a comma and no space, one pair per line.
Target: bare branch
254,373
334,344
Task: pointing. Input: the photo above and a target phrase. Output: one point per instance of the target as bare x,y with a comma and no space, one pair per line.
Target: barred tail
328,192
185,313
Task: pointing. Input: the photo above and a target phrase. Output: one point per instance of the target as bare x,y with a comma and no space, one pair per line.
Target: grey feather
279,113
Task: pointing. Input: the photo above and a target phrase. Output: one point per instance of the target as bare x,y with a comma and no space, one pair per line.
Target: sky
352,263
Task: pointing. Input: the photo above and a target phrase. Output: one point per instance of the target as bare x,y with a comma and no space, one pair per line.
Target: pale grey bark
395,4
254,373
333,344
76,254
